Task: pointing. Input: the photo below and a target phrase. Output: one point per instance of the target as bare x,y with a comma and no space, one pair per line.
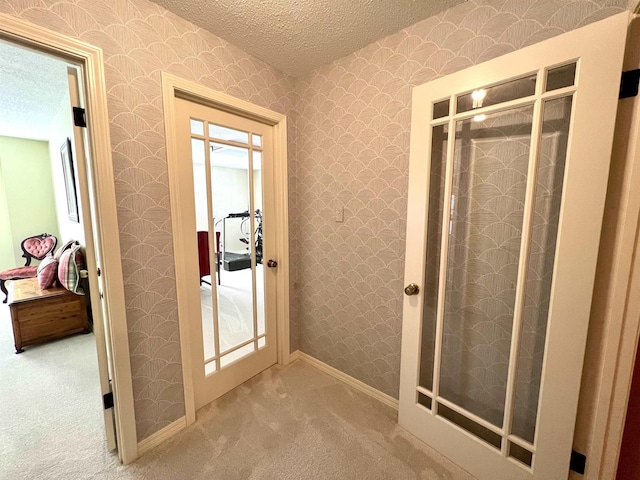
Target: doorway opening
47,316
87,199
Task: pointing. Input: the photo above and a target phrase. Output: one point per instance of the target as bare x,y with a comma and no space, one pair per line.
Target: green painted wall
27,199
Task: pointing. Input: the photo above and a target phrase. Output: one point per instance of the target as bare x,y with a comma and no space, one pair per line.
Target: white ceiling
297,36
33,89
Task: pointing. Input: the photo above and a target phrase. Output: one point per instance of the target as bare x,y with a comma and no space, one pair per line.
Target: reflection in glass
202,226
487,206
197,127
229,134
434,237
441,109
231,206
229,212
561,77
258,240
236,355
546,215
504,92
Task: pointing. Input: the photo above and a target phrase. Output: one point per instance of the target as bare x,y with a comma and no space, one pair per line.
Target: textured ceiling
33,89
296,36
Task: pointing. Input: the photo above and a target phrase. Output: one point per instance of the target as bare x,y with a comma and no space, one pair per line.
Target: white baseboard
160,436
334,372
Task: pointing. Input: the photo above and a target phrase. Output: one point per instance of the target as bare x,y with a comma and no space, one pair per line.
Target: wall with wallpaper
353,121
348,146
140,40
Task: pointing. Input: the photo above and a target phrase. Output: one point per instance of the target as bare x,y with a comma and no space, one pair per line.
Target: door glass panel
424,400
228,206
548,196
237,354
198,149
492,95
521,454
256,140
197,127
561,77
224,133
231,206
441,109
258,238
487,206
469,425
432,268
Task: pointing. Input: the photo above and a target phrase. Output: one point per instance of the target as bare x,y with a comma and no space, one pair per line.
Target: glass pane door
227,240
227,180
495,178
508,175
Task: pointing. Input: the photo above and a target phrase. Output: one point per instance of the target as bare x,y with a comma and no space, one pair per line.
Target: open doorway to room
52,404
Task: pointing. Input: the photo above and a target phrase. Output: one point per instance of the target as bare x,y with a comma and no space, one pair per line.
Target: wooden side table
38,315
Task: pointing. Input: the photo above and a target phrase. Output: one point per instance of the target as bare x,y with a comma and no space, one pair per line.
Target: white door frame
91,59
616,308
172,87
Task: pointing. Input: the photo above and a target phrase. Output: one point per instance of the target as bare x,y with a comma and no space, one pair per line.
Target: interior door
229,177
92,250
508,174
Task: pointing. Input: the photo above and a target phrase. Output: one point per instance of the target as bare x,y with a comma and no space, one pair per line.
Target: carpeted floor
51,423
290,422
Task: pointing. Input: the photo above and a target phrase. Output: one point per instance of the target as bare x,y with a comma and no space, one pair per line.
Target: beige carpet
290,422
50,409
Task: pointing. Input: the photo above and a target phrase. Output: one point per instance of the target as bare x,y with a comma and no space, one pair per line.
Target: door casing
90,58
172,87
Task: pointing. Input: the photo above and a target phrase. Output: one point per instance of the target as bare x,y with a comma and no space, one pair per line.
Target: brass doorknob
272,264
411,289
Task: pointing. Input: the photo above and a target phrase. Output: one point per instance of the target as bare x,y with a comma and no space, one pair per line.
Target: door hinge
107,400
578,462
629,83
79,117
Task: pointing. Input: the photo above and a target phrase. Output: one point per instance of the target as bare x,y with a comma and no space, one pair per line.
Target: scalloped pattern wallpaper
353,152
140,40
348,147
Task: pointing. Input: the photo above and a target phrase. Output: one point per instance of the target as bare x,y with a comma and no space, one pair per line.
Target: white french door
508,175
227,169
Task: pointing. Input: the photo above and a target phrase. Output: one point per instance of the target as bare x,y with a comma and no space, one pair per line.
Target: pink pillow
47,272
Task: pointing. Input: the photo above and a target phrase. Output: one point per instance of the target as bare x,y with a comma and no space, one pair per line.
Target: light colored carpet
287,423
51,423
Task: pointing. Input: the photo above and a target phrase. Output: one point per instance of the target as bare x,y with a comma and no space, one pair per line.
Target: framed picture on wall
69,181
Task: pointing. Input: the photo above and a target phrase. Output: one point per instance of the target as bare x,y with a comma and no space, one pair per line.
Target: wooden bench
42,315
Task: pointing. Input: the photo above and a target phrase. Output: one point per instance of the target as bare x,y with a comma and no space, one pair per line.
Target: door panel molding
175,87
107,236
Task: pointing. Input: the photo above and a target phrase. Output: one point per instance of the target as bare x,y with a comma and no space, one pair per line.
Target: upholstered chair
36,247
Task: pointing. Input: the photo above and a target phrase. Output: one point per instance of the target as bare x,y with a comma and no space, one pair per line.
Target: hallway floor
291,422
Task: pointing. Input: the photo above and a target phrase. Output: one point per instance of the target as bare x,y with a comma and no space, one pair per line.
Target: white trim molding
107,238
343,377
175,87
152,441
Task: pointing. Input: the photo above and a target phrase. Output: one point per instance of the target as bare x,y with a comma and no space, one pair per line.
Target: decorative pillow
47,272
64,248
69,267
